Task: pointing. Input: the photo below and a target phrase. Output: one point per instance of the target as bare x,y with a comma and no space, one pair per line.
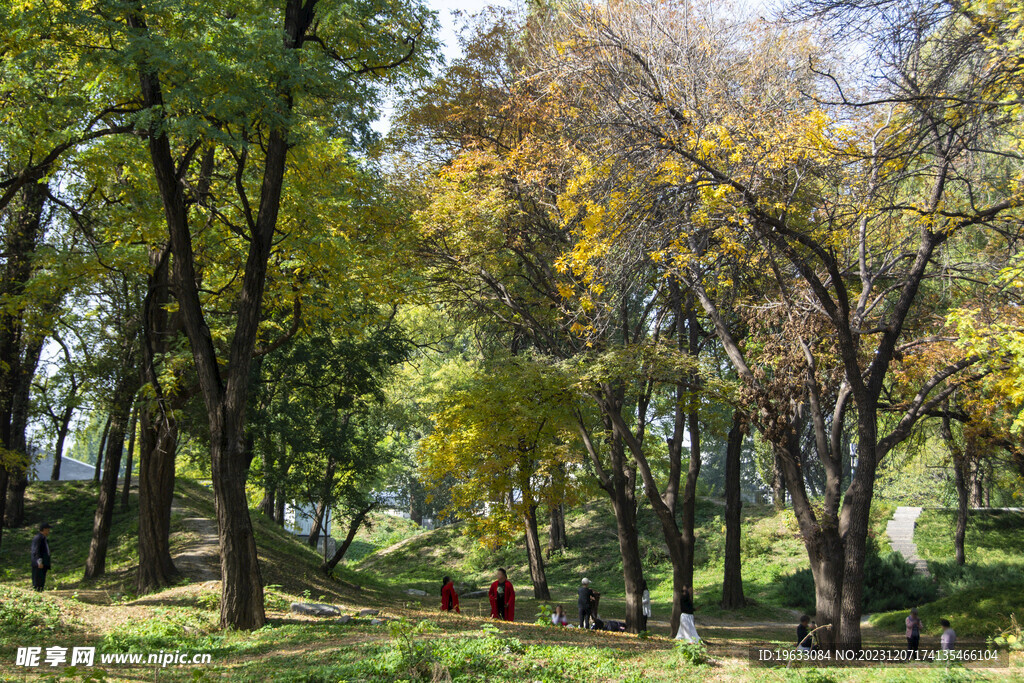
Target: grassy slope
979,597
293,648
771,547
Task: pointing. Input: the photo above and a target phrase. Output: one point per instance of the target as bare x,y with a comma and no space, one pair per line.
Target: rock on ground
315,610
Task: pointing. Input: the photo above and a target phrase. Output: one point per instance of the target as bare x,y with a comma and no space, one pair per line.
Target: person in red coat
503,598
449,598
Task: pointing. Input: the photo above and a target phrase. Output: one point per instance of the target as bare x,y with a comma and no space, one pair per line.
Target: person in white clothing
948,639
687,629
558,617
645,600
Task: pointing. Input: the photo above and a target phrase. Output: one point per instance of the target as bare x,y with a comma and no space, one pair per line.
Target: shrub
890,583
693,653
24,611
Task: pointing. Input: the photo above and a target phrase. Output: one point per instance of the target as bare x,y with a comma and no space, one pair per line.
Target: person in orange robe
503,598
449,598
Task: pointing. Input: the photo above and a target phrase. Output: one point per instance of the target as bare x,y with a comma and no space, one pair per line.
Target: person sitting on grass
948,639
449,598
803,633
687,630
558,617
503,597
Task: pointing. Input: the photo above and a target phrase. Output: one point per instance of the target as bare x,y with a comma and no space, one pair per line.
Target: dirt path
200,558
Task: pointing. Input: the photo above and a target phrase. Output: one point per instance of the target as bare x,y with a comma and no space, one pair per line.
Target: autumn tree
847,205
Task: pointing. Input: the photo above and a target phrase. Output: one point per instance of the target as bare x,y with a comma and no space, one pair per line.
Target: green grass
979,597
444,647
69,507
771,545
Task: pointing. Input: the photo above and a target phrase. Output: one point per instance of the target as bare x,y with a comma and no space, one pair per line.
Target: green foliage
692,653
23,611
890,583
1010,637
167,629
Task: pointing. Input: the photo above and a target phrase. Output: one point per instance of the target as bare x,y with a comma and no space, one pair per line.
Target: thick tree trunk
732,581
15,515
632,568
18,357
557,540
96,562
101,449
158,443
241,604
133,428
534,554
353,528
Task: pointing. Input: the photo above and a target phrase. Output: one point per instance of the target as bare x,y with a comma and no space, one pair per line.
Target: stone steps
900,531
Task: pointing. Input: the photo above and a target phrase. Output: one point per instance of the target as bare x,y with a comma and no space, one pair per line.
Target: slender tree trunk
535,556
126,492
96,562
267,503
318,521
732,581
353,528
102,448
62,435
778,486
279,507
960,480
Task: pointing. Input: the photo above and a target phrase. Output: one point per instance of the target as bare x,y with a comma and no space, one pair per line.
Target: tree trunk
279,507
126,492
15,515
632,568
977,483
318,521
96,562
241,603
557,540
158,444
353,528
17,366
534,555
62,435
778,486
102,448
267,503
960,480
732,581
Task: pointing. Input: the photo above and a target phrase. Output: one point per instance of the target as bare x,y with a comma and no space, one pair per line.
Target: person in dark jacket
585,603
449,598
40,557
803,633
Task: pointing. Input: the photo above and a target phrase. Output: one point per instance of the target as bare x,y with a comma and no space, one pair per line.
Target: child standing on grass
449,598
948,639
